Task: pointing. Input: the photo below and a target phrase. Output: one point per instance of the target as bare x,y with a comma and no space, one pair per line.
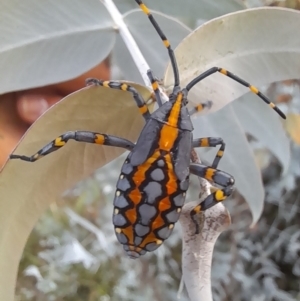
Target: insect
154,178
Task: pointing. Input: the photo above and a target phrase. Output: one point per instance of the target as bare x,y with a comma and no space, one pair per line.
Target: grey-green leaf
260,121
256,44
44,42
238,158
27,189
187,11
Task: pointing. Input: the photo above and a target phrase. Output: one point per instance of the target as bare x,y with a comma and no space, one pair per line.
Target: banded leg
80,136
166,43
211,142
124,87
216,176
200,107
237,79
155,87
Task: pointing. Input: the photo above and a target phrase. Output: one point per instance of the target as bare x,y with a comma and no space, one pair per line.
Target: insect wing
146,144
181,155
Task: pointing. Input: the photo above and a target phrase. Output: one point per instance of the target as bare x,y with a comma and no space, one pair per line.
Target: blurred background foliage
72,253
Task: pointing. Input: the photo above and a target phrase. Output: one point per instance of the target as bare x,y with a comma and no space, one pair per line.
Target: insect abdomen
148,203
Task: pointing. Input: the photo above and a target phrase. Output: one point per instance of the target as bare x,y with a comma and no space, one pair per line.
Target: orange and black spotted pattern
151,190
147,204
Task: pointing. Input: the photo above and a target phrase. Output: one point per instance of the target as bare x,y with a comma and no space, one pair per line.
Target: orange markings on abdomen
128,231
131,215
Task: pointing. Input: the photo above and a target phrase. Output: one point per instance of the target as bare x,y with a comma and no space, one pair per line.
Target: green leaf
44,42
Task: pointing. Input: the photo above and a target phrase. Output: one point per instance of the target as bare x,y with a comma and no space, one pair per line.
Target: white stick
133,48
197,249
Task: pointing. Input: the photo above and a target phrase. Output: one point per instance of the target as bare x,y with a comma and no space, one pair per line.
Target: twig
198,249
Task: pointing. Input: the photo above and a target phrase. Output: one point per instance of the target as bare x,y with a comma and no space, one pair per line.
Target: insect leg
200,107
145,9
211,142
253,89
216,176
155,87
80,136
124,87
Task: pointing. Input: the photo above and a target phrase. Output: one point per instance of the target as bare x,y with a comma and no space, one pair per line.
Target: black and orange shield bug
155,176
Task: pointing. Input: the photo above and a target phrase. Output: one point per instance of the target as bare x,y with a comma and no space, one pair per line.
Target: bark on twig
198,248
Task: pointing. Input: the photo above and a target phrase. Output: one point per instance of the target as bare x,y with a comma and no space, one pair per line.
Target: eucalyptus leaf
187,11
238,159
27,189
258,120
44,42
255,44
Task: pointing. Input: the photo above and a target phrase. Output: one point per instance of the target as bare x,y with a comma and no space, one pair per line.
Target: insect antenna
166,42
